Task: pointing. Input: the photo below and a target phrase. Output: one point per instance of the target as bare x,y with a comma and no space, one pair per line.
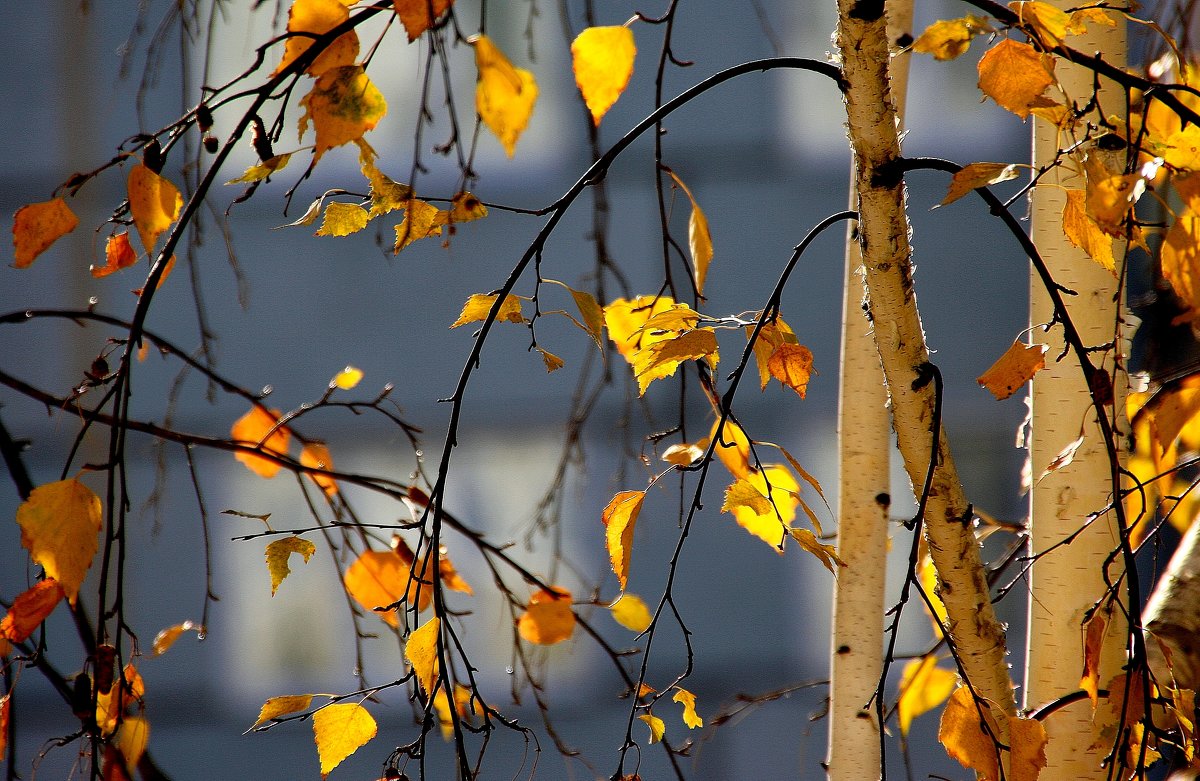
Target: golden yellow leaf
167,637
416,17
1083,232
462,705
1173,410
37,226
631,612
132,737
1015,75
449,575
343,105
282,706
316,455
978,175
620,517
1110,197
699,238
386,194
421,221
110,704
342,219
504,94
927,575
1182,149
421,652
118,254
380,578
591,315
256,173
923,687
258,428
1180,258
30,609
1028,740
742,493
963,738
625,320
780,490
549,618
154,204
1012,370
465,207
732,447
603,62
657,728
1082,17
949,38
791,364
347,378
662,359
60,527
552,361
318,17
685,454
339,730
479,306
278,553
1043,21
688,700
770,337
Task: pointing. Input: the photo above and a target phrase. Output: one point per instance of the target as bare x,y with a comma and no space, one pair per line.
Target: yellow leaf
949,38
552,361
662,359
421,220
441,704
826,554
780,490
603,62
1182,149
684,454
699,238
620,517
154,204
688,700
278,553
479,306
416,16
449,575
118,254
770,337
978,175
1028,738
258,428
167,637
504,94
37,226
1083,232
380,578
549,618
591,314
317,17
625,320
963,738
1012,370
386,195
60,527
256,173
1180,258
30,609
732,447
132,737
1085,16
927,574
657,728
791,364
282,706
1044,22
1093,642
315,455
1110,198
742,493
465,207
923,687
343,105
631,612
1015,75
339,730
342,219
347,378
109,707
421,653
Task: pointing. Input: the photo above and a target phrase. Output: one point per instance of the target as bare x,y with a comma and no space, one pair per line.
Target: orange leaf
549,618
118,254
462,706
949,38
167,637
620,517
732,447
37,226
791,364
154,204
282,706
421,653
380,578
1015,75
316,455
5,715
449,575
1012,370
504,95
416,17
923,687
60,527
978,175
963,738
1093,631
339,730
317,17
1083,232
1028,740
770,337
30,609
258,428
603,62
278,553
343,105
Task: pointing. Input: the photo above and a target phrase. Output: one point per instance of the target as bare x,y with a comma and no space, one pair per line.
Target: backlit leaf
30,609
1015,75
657,728
1045,22
978,175
386,194
685,454
1180,258
479,306
620,517
927,575
923,687
60,527
631,612
826,554
109,707
339,730
552,361
1012,370
154,204
421,221
549,618
132,737
663,358
416,17
421,652
1093,645
949,38
167,637
742,493
791,364
441,705
342,219
282,706
316,455
1028,738
1083,232
625,320
699,238
732,447
347,378
504,94
591,314
449,575
342,106
603,62
1110,197
779,488
770,337
256,173
381,578
688,700
278,553
318,17
465,207
258,428
963,738
118,254
37,226
1082,17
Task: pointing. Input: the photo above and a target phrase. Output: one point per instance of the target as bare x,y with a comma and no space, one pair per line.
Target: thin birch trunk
1172,616
883,233
1068,582
864,450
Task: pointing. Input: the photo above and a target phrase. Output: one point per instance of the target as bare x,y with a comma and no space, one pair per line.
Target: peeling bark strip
883,234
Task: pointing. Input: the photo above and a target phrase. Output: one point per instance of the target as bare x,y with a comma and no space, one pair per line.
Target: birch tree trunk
1069,581
1172,616
864,450
883,235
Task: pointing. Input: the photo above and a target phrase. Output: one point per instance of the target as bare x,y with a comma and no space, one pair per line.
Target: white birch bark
1172,616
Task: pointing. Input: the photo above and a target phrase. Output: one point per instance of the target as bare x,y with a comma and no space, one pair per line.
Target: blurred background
764,155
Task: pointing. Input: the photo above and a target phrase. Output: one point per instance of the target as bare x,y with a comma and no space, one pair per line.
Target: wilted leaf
1045,22
549,618
167,637
416,17
923,687
465,207
780,490
132,737
118,254
278,553
791,364
732,447
504,94
1064,457
620,517
37,226
479,306
963,738
347,378
1083,232
282,706
343,105
1012,370
339,730
258,428
342,219
318,17
421,653
60,527
256,173
1082,17
30,609
381,578
154,204
631,612
603,62
657,728
315,455
978,175
699,238
1015,75
688,700
826,554
949,38
421,221
552,361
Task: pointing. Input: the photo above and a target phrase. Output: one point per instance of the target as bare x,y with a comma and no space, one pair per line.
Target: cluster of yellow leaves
383,579
655,335
690,717
339,728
